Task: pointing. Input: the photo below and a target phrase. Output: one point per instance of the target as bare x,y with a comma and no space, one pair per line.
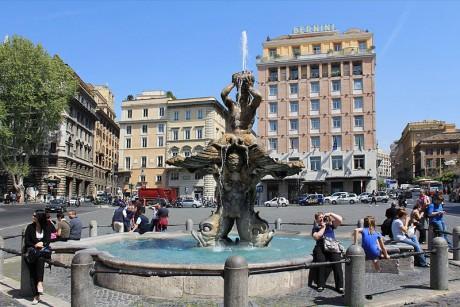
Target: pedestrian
373,198
75,226
416,220
154,220
372,242
118,219
400,229
390,215
141,224
129,221
63,228
52,226
436,214
163,220
37,238
278,201
323,229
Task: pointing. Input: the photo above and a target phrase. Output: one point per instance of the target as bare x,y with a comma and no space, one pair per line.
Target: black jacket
30,237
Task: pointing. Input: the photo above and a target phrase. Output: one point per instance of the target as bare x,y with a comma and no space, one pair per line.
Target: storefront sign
314,28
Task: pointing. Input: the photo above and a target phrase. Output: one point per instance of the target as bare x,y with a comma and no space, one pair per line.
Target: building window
144,162
335,70
199,133
429,151
293,88
161,128
315,163
176,115
429,163
294,106
187,152
273,90
357,68
273,125
358,103
130,113
273,74
146,112
335,84
454,150
174,176
273,144
314,105
314,71
144,142
359,141
144,128
188,115
337,162
314,123
273,107
315,142
337,46
314,87
358,84
128,129
293,73
128,162
440,151
175,134
199,114
160,161
336,104
362,45
317,49
159,178
272,53
187,133
296,51
294,143
128,143
359,121
293,124
358,162
336,142
336,122
142,178
160,141
174,152
162,111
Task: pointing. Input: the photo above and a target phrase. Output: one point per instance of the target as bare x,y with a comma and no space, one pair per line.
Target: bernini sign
314,28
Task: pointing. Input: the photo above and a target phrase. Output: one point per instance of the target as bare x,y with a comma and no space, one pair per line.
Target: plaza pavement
408,288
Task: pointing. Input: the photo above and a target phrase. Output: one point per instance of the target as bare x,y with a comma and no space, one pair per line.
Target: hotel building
319,107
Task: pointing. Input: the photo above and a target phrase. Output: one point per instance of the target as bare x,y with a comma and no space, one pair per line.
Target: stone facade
319,107
384,164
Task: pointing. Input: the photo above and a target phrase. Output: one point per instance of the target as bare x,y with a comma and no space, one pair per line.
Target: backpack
386,228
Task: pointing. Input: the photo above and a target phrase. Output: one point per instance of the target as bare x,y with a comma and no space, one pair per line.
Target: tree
35,89
170,94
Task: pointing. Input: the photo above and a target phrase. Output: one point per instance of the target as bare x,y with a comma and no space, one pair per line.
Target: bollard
26,282
2,245
81,284
430,237
360,223
439,275
354,276
189,225
93,228
278,224
236,276
456,239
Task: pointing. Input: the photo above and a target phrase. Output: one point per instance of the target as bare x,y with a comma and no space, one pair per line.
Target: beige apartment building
106,141
318,88
143,141
384,165
192,124
403,154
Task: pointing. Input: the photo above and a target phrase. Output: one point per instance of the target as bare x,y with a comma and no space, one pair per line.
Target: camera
326,219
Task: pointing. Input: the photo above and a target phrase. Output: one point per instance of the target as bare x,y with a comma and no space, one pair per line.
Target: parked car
382,196
364,197
73,201
334,196
189,203
163,202
349,198
283,202
56,206
314,199
302,198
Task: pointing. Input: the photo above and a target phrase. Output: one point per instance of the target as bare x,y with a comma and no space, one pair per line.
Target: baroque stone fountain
237,163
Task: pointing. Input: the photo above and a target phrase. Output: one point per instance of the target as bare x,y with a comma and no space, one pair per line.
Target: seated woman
400,229
324,226
372,242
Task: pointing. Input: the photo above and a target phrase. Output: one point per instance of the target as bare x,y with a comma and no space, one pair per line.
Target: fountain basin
271,284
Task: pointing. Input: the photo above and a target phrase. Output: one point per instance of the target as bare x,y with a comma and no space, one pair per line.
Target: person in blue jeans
436,213
399,228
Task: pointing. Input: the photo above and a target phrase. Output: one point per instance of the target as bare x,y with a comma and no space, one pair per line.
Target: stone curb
10,287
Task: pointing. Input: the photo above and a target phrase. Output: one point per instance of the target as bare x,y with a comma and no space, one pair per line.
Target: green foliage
170,94
35,89
447,177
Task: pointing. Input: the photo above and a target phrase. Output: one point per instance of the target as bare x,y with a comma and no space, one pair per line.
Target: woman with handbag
327,248
36,248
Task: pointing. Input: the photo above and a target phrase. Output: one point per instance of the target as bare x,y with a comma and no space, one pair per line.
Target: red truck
149,194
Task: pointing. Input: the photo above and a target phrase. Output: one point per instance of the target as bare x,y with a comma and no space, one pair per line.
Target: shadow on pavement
331,301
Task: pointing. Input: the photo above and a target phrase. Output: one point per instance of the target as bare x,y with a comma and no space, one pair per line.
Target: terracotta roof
445,136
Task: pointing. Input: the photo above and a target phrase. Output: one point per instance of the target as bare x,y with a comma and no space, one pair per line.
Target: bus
431,186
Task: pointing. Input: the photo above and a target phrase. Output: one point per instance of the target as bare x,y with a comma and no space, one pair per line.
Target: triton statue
237,163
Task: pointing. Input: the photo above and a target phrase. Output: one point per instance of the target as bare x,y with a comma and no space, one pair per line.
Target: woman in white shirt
399,228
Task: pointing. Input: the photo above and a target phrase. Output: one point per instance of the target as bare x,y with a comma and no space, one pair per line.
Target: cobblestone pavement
445,300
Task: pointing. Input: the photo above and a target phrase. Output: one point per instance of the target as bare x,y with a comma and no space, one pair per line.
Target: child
372,242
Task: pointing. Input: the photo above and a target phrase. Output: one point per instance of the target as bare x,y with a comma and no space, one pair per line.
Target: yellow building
143,141
192,124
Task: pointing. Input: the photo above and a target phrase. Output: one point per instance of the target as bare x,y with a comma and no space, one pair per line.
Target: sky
193,47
